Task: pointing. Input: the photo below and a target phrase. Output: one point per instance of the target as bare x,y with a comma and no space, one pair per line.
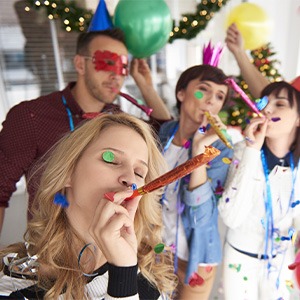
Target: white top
242,205
172,155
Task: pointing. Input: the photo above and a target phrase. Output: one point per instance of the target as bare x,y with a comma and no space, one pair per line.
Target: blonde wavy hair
50,235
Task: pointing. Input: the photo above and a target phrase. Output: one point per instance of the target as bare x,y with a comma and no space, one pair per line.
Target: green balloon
146,23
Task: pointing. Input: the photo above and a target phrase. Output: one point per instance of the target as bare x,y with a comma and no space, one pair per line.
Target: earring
60,199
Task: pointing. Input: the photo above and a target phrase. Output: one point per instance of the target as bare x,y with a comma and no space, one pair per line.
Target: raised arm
141,74
255,80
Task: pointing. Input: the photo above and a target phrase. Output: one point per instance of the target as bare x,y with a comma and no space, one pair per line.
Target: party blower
184,169
219,132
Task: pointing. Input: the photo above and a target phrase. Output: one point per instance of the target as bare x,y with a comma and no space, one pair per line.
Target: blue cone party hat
101,19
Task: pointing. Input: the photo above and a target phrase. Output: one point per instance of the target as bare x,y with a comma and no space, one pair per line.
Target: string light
80,18
191,24
72,17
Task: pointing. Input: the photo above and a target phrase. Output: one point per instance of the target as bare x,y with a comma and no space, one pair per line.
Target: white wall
15,216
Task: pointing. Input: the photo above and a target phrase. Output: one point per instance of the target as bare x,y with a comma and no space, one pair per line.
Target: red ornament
195,280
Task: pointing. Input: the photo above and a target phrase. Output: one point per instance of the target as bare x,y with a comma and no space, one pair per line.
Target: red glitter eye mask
111,62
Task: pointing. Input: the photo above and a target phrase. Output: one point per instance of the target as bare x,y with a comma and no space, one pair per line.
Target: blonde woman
85,241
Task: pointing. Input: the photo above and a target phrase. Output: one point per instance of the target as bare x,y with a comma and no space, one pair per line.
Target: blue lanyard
71,123
269,226
171,138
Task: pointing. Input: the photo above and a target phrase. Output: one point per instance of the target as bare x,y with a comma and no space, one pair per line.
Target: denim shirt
200,213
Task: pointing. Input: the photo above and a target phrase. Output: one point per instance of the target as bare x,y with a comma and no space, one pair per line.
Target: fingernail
133,186
109,196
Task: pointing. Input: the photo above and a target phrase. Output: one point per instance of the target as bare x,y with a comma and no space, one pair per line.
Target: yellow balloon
253,23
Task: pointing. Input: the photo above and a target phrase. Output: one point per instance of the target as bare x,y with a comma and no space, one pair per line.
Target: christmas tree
237,111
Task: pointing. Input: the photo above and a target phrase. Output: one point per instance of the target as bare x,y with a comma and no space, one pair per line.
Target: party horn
184,169
246,99
144,108
218,131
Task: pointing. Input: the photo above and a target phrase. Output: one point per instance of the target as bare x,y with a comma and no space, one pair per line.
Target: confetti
293,204
187,144
226,160
219,189
195,280
108,156
236,267
208,269
202,129
198,95
159,248
294,237
295,264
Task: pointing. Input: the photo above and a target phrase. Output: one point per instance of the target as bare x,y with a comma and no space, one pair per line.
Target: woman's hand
112,229
255,132
234,39
200,140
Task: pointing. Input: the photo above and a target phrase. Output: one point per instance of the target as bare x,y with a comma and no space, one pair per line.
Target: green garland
76,18
72,16
192,24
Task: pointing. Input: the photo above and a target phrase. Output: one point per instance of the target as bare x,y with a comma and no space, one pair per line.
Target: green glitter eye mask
108,156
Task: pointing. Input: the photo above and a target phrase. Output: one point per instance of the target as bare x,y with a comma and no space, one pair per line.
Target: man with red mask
32,127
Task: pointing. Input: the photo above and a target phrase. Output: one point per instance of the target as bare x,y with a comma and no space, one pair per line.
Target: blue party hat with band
101,19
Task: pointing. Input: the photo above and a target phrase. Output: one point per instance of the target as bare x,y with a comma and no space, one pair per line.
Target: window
27,58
